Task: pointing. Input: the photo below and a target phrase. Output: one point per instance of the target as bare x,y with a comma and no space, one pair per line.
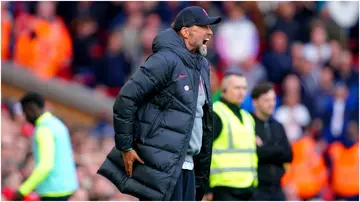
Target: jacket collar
43,117
233,107
261,121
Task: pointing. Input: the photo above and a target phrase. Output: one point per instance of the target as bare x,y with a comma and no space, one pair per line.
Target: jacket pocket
183,106
154,125
179,102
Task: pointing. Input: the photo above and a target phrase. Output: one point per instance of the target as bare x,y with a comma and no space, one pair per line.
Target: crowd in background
309,50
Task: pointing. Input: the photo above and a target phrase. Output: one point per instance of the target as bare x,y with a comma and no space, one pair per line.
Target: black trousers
232,194
185,187
269,193
63,198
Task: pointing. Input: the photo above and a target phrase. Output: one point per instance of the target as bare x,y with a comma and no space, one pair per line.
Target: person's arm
151,77
269,153
276,153
46,153
217,125
286,154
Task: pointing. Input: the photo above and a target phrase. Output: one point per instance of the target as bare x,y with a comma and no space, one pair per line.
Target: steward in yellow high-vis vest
233,174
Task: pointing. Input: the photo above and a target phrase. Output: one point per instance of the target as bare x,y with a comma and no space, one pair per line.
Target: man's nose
209,31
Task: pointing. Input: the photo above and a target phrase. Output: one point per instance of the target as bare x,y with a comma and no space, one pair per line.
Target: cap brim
213,21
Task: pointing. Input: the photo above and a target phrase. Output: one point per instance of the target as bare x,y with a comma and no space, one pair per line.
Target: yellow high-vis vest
234,159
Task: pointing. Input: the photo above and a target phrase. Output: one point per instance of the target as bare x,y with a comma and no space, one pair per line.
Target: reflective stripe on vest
226,170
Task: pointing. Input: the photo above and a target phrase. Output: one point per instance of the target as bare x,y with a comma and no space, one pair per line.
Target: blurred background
79,54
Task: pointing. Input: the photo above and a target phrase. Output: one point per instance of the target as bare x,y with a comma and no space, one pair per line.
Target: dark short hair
261,89
32,97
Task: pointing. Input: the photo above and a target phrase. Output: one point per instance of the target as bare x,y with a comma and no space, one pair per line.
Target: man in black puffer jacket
163,117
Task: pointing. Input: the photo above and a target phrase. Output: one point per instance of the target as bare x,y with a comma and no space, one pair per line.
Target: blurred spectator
306,176
128,9
114,69
253,71
255,15
267,6
285,20
131,33
309,76
297,55
337,115
153,21
237,39
346,73
277,61
305,12
83,9
87,51
6,30
45,45
292,114
150,7
345,166
147,36
323,94
335,58
334,30
318,50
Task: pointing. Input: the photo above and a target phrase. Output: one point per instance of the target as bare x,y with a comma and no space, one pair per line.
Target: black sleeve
286,154
217,125
276,152
152,76
268,153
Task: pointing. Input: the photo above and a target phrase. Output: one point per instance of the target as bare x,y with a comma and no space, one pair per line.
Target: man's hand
129,158
259,142
208,197
18,196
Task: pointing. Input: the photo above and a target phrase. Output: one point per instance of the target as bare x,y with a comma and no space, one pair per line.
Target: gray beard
202,50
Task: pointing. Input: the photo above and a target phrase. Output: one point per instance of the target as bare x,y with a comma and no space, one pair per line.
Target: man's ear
185,32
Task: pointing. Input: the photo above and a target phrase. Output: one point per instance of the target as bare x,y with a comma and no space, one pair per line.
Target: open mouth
205,41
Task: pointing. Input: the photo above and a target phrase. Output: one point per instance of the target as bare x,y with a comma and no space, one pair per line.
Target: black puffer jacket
154,114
